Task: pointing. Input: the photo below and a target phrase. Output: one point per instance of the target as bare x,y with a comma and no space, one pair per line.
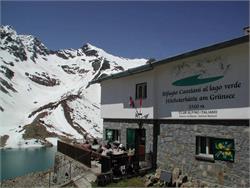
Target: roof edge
128,72
150,66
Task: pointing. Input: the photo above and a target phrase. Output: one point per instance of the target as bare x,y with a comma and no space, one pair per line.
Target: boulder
175,175
158,173
187,184
191,184
148,183
182,179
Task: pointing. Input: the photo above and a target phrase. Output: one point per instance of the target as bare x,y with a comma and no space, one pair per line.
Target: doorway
136,139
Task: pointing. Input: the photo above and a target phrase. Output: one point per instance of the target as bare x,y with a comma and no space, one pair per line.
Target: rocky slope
44,94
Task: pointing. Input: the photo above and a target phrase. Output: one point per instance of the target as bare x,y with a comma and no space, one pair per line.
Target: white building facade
190,111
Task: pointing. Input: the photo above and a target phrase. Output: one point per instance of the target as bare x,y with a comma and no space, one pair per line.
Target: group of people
104,149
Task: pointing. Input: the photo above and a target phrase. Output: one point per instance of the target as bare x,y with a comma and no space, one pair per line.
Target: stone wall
177,147
123,126
66,168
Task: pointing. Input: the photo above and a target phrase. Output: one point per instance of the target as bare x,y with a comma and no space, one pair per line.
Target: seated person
122,147
116,143
86,145
100,149
95,142
106,149
95,145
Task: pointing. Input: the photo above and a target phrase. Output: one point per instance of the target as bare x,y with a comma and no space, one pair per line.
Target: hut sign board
200,89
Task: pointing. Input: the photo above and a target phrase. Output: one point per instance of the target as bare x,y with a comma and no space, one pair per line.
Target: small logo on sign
195,80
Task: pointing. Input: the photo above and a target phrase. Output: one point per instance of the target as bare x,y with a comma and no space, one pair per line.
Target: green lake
21,161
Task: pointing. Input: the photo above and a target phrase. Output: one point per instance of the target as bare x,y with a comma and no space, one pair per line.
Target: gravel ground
36,179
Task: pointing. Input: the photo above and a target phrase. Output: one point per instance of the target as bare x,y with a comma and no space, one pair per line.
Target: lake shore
34,179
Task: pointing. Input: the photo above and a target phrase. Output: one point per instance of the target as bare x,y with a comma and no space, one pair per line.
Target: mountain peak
90,50
92,47
88,45
7,28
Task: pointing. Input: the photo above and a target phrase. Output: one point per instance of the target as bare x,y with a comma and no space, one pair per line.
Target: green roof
150,66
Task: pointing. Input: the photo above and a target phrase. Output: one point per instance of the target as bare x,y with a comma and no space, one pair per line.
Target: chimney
246,30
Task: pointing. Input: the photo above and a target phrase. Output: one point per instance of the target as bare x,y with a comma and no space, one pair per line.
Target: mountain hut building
189,111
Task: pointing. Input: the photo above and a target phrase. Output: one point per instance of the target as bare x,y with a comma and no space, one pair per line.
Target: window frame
209,154
144,91
114,135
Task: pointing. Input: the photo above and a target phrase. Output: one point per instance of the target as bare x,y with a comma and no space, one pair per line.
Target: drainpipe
156,130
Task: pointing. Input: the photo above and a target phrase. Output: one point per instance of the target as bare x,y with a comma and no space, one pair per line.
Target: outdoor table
119,160
95,147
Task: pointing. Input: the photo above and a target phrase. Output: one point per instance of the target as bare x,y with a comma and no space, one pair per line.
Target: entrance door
136,140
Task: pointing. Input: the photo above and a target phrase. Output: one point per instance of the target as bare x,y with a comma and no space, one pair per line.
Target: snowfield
44,94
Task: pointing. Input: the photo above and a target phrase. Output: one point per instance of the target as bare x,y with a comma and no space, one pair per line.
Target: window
209,148
204,148
141,91
112,135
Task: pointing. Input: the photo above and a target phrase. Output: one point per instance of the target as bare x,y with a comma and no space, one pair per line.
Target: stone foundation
177,148
123,126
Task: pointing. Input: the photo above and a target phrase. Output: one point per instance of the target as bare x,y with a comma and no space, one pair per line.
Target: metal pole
70,170
49,178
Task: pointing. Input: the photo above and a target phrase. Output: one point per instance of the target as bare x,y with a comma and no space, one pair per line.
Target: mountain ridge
45,94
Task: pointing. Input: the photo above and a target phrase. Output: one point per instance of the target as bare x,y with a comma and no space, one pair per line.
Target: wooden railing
75,152
85,156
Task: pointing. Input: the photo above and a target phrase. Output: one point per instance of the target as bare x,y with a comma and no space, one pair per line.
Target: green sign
224,149
195,80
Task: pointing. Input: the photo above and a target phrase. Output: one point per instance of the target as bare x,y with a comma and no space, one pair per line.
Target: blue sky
129,29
